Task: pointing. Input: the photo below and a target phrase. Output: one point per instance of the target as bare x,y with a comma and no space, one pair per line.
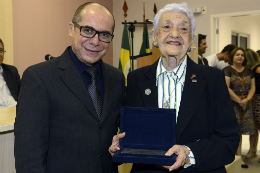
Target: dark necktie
202,59
94,90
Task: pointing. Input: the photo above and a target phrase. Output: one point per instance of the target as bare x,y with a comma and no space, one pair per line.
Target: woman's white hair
181,8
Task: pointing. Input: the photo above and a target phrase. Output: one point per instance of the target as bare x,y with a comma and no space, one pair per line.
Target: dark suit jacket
206,121
57,129
12,79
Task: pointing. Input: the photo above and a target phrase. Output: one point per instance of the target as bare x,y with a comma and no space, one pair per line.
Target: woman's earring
156,44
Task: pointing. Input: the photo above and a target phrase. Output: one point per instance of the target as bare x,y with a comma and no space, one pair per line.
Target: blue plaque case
150,133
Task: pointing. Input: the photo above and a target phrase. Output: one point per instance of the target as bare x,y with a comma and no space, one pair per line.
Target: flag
145,48
124,61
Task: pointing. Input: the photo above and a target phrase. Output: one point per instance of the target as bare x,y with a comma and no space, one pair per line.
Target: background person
258,53
254,64
241,86
10,82
220,60
66,118
207,133
202,46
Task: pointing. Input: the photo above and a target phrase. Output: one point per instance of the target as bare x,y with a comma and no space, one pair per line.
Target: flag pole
144,14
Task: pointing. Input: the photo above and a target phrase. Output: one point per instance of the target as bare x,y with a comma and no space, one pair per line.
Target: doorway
223,26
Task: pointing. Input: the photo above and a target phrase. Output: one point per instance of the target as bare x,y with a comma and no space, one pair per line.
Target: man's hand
182,153
115,143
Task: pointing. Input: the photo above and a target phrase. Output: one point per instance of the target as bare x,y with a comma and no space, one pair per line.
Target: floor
254,165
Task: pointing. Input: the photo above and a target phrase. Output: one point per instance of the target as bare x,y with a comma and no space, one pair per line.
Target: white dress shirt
214,62
6,98
170,85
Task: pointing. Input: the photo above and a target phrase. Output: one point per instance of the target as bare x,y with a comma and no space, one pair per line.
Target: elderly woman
207,133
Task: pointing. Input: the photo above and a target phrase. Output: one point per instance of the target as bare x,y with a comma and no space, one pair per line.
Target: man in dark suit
66,117
202,46
10,82
207,132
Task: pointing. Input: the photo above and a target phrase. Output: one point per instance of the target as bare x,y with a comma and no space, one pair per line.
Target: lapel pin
193,76
147,91
194,80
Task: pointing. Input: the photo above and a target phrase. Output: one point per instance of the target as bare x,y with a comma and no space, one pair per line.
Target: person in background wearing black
202,46
10,82
258,53
254,63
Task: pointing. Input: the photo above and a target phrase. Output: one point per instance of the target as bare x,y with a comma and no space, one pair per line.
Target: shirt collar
178,71
80,65
1,70
200,56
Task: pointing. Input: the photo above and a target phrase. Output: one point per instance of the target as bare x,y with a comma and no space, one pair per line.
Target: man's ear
71,28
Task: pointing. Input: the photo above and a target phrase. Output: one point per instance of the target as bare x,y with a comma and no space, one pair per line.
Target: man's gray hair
181,8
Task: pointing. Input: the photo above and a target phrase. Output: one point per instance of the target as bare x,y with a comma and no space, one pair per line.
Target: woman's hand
182,153
243,103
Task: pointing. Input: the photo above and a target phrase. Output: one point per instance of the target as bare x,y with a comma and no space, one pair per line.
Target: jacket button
101,126
101,154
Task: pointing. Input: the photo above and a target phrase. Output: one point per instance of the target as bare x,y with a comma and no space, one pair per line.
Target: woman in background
258,53
241,86
254,64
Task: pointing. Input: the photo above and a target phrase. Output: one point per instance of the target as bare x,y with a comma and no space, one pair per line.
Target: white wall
135,12
244,24
40,27
6,30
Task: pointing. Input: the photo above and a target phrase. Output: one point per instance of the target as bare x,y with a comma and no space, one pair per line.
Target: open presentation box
150,133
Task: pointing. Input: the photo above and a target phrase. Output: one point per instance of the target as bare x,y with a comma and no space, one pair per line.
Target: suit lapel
72,78
7,76
149,84
109,92
191,95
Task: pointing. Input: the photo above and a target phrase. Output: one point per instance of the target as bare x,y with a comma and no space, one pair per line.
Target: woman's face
238,57
173,35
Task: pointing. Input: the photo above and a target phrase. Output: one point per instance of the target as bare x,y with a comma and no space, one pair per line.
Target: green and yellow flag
145,45
124,61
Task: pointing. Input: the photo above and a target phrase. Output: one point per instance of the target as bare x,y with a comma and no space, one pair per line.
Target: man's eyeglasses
89,32
2,51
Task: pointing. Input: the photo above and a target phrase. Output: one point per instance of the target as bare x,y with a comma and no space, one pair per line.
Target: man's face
173,35
1,53
202,47
91,50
